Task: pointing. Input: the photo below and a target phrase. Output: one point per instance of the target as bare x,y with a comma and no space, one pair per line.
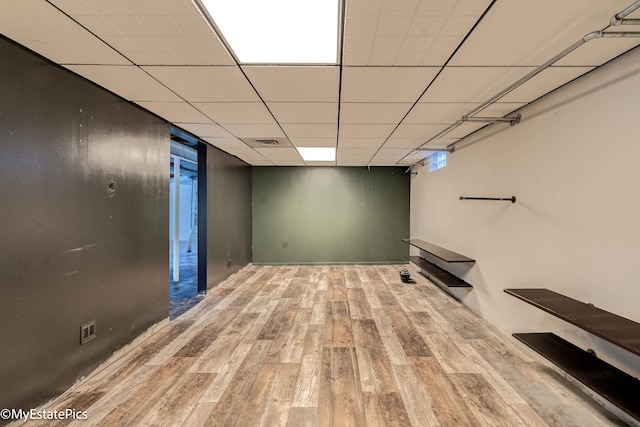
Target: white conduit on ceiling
617,19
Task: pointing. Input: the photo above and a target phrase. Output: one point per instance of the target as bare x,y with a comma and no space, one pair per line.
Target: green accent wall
330,215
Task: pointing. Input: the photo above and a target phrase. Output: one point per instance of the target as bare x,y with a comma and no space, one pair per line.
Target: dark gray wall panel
72,250
317,215
228,215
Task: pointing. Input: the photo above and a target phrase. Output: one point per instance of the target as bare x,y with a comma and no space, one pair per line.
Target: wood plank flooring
329,346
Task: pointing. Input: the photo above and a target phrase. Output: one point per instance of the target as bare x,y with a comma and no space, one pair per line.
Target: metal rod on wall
512,199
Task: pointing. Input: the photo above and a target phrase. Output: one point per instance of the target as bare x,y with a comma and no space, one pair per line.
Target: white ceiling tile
246,154
281,154
382,59
162,25
47,31
416,45
235,112
542,29
300,112
363,7
195,26
355,58
360,143
128,81
438,112
458,26
313,142
366,130
445,45
393,26
388,45
426,26
435,59
209,43
358,44
163,57
399,7
205,130
149,43
471,7
122,44
360,26
409,59
217,58
108,7
74,7
258,130
100,26
146,7
394,142
129,25
435,7
310,130
368,112
179,50
225,142
139,57
295,83
178,7
385,84
175,111
205,84
355,154
471,84
544,82
183,58
389,155
179,44
416,131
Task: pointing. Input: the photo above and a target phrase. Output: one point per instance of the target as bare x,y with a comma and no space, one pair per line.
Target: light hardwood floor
330,346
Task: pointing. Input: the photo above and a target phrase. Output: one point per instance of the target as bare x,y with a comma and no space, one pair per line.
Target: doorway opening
183,224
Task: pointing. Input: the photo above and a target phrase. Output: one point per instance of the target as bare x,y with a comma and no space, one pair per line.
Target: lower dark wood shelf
436,274
617,330
616,386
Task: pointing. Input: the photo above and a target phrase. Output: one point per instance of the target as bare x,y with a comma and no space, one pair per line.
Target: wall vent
87,332
267,141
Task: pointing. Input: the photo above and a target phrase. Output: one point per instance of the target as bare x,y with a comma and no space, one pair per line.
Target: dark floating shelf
617,330
616,386
438,275
437,251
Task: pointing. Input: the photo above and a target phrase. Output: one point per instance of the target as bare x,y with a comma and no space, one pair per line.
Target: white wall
574,165
185,210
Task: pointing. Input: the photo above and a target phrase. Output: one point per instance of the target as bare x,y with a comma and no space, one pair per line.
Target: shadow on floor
184,294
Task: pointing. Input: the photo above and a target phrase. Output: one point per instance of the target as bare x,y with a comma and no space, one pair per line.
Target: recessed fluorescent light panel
279,31
317,154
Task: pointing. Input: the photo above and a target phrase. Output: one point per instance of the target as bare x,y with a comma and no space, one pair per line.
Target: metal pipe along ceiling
184,152
615,20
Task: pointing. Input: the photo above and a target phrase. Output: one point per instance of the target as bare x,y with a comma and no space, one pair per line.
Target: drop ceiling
408,69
